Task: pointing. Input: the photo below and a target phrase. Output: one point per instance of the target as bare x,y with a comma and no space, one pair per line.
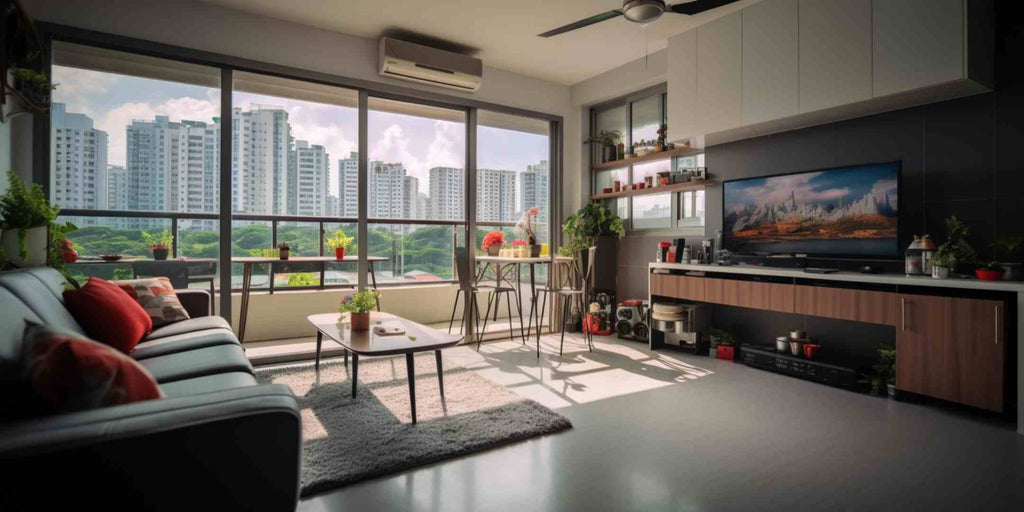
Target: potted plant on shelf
662,134
1010,250
885,372
941,262
25,217
992,271
339,242
35,87
608,140
160,245
358,306
526,226
961,252
283,250
492,243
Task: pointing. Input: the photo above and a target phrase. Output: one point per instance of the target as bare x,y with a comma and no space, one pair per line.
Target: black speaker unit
767,358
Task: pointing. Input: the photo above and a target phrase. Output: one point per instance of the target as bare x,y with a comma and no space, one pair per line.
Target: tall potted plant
960,252
339,242
25,216
595,224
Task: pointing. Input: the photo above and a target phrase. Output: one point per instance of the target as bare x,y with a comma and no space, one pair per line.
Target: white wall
215,29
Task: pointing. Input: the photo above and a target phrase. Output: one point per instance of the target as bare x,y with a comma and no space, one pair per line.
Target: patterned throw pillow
67,372
157,297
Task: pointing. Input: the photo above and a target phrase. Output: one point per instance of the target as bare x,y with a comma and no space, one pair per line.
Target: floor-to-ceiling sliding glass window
134,158
415,189
293,171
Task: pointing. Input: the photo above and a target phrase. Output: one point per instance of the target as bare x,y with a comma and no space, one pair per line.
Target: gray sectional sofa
217,441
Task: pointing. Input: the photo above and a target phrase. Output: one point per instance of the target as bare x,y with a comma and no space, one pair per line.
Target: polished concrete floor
670,431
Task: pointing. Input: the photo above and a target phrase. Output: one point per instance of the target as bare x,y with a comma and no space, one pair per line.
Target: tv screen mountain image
844,211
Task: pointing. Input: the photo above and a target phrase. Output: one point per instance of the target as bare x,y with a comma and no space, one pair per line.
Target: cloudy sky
824,188
113,101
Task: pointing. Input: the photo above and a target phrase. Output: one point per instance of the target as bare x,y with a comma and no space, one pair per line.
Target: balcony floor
672,431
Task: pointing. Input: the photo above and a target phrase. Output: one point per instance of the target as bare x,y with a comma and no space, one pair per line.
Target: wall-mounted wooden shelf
679,151
664,189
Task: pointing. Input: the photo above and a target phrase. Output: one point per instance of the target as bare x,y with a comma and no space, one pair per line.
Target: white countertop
896,279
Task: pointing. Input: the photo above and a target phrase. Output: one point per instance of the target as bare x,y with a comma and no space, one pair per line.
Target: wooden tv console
954,337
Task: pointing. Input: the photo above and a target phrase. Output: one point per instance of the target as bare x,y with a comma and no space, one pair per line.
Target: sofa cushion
191,325
208,384
182,342
157,297
108,314
35,288
68,372
197,363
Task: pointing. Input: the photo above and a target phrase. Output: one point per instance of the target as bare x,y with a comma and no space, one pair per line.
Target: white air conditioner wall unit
426,65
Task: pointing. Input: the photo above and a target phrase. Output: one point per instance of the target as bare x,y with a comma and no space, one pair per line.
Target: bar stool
569,295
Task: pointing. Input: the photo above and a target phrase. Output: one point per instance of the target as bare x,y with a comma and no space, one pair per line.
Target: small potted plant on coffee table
358,306
283,250
339,242
492,243
160,244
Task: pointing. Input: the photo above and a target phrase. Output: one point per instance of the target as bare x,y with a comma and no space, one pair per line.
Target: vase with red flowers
492,243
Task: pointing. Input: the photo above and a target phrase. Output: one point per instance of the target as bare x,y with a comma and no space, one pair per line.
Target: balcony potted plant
339,242
608,140
358,306
160,245
526,226
1010,250
492,243
283,250
594,224
25,217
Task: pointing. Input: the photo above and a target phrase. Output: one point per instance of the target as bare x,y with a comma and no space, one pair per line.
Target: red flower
518,243
493,238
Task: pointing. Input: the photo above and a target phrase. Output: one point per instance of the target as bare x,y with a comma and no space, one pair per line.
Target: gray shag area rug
347,440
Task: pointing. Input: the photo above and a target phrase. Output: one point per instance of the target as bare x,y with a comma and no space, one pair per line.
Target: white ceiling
504,31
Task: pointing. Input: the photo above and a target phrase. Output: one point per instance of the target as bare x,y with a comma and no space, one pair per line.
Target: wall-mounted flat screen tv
846,212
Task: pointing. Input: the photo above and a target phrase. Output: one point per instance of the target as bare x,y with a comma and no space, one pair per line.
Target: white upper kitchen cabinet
917,43
720,74
682,86
835,53
770,61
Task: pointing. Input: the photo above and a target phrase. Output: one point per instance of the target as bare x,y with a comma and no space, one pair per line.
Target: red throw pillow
70,373
108,314
157,298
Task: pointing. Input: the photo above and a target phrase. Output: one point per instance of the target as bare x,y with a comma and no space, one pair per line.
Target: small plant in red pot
492,243
990,272
339,242
160,244
721,344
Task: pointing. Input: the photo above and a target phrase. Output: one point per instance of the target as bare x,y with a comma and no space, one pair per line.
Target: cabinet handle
997,324
903,314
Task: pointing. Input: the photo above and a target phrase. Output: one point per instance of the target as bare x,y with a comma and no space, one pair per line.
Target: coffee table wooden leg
319,341
412,385
440,376
355,372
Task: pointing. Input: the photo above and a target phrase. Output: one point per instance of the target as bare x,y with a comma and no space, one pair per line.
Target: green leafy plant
339,239
303,279
165,240
33,84
1010,249
359,302
943,256
607,138
58,244
720,337
24,207
959,250
583,227
284,246
263,253
885,368
993,266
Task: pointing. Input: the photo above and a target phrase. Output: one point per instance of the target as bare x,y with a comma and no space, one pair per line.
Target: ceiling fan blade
582,23
698,6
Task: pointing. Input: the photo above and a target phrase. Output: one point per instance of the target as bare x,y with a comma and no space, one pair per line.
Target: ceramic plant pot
494,250
160,254
35,242
284,253
360,321
988,275
339,253
940,272
535,251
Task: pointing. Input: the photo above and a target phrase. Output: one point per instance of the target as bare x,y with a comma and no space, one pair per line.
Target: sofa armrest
195,301
233,449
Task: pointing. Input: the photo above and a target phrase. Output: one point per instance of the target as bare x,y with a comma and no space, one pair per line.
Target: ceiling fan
642,11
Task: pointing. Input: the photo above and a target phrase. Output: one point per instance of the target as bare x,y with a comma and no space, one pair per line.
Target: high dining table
504,267
249,261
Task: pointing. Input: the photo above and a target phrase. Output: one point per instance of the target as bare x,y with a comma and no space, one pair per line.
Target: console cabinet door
679,287
867,306
952,349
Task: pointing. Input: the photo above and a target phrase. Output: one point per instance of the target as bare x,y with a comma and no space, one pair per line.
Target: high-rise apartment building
447,193
261,140
312,164
172,166
410,197
533,190
79,156
495,195
386,186
348,186
117,187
